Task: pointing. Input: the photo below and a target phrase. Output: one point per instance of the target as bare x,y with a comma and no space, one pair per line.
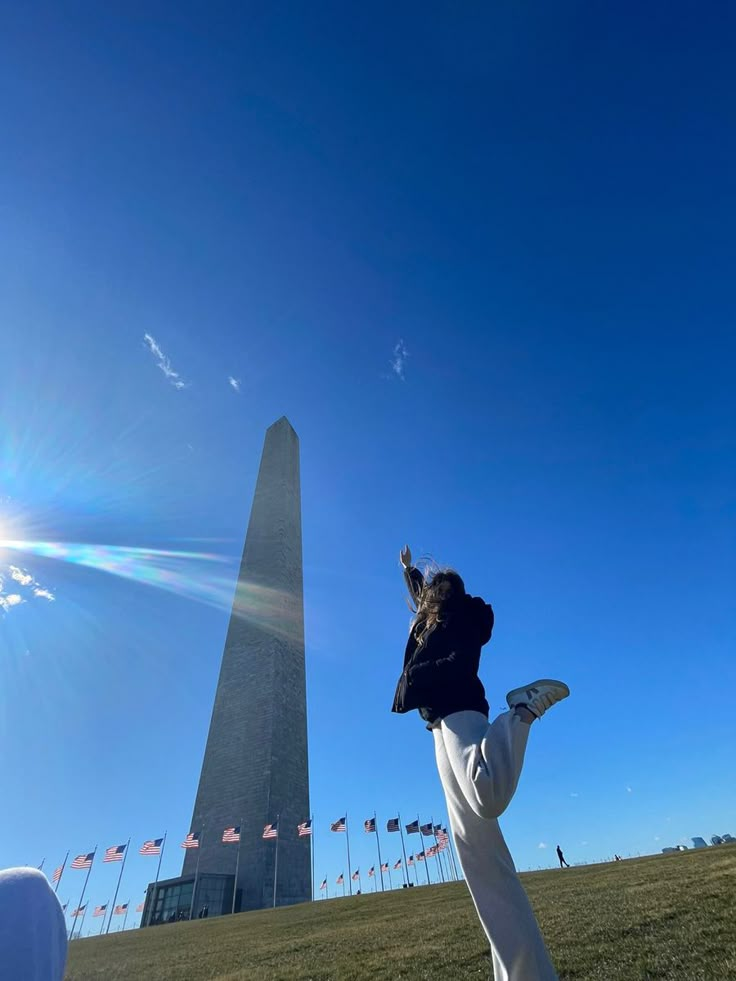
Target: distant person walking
479,764
563,863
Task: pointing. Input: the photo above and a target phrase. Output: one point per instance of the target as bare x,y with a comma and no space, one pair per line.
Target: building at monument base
170,900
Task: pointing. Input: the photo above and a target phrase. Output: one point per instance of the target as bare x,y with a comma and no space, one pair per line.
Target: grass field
665,917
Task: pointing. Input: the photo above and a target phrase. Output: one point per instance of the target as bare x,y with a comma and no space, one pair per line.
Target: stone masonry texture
255,766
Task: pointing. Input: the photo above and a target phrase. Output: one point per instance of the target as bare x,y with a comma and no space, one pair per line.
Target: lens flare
205,577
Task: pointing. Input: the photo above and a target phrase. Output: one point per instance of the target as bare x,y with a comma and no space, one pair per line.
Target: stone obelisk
255,767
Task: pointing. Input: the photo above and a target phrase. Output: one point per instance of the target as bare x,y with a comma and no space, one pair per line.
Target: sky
482,259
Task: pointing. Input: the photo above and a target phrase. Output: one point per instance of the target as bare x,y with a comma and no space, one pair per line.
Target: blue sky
538,204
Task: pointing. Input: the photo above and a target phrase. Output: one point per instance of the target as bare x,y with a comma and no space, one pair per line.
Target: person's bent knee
33,940
27,885
487,801
489,812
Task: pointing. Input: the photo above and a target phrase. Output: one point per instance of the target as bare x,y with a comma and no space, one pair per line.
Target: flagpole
102,925
125,918
444,861
81,925
311,851
403,849
436,852
196,871
122,867
84,888
426,863
378,844
448,857
62,872
40,867
390,880
452,856
237,864
160,856
347,839
276,861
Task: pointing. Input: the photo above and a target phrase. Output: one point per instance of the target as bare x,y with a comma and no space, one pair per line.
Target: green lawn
665,917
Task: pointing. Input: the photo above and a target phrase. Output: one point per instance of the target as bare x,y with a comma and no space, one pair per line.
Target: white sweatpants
479,766
32,928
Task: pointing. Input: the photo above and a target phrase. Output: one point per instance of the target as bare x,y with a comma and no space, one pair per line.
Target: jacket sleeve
482,617
419,673
414,583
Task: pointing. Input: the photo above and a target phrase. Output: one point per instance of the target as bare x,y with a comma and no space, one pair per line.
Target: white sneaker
538,696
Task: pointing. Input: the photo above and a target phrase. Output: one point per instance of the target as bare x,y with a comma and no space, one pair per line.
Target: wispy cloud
542,844
10,599
233,382
399,359
163,362
24,578
656,837
574,795
629,790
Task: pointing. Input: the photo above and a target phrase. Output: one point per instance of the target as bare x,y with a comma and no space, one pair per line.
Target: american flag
393,825
191,840
443,839
437,828
271,830
57,874
426,829
139,908
356,875
83,861
410,860
413,828
231,835
338,825
384,867
324,884
398,864
370,825
115,853
420,856
305,828
340,879
65,906
119,910
432,851
371,871
152,847
100,910
79,910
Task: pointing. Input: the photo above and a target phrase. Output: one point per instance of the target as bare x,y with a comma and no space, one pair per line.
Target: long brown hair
435,604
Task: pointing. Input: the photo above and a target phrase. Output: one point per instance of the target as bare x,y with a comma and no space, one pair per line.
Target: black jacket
441,676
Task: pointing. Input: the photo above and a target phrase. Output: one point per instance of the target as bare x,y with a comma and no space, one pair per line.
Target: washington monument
255,768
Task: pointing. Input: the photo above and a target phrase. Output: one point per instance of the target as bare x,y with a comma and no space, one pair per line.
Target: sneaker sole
542,681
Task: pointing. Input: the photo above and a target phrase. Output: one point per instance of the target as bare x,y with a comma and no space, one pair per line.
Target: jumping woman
479,764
